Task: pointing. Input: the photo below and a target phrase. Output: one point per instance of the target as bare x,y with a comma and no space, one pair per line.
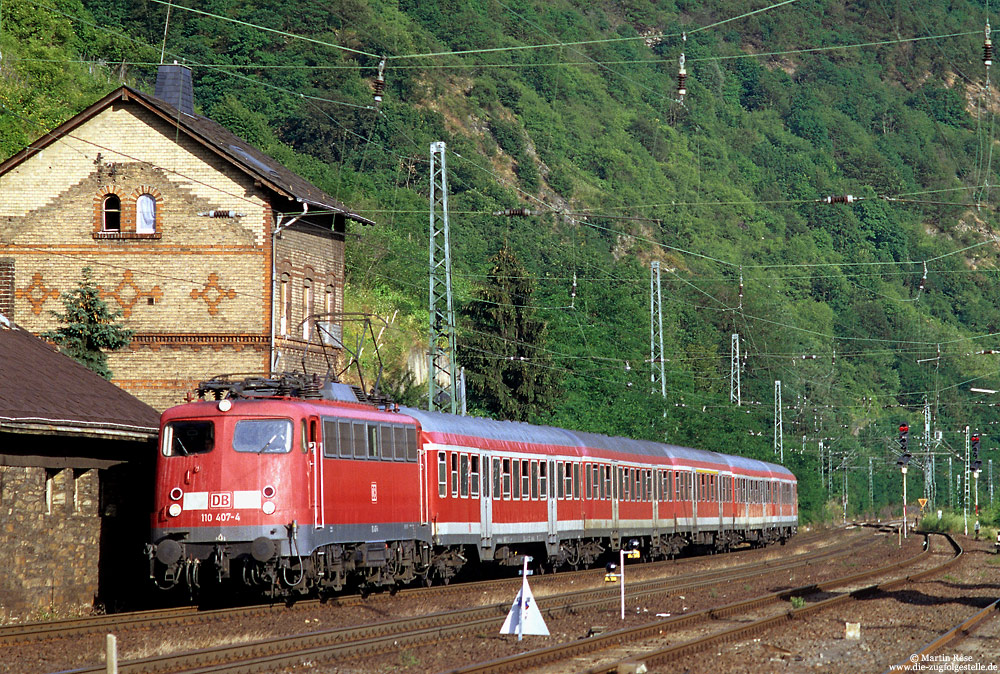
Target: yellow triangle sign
922,502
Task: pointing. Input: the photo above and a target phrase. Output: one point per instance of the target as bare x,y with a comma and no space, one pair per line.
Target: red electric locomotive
287,487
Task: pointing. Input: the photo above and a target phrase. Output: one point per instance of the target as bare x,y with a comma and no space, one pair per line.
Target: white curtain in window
145,212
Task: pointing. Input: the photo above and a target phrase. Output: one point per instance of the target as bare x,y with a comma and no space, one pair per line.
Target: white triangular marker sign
533,622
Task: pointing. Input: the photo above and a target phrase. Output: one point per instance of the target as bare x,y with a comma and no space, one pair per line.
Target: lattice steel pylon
871,485
951,493
965,488
656,377
735,394
442,387
990,473
928,455
779,436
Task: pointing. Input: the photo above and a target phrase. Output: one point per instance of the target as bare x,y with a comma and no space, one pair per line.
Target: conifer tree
88,327
508,371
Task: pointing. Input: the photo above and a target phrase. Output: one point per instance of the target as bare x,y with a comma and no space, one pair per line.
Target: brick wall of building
311,262
197,292
7,287
51,528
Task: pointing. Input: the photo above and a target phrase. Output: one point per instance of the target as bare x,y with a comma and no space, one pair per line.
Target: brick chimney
173,85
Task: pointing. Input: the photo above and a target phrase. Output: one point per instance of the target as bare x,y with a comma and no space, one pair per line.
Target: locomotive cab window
263,436
183,438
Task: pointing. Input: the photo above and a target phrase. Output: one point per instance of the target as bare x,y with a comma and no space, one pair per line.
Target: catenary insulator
221,214
379,84
515,212
987,47
681,75
839,199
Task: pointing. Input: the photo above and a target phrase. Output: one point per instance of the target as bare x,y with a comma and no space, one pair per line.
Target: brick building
215,253
76,459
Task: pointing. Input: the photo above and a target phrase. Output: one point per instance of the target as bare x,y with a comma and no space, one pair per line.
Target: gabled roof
43,391
212,136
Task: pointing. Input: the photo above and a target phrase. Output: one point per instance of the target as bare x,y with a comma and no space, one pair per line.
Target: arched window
328,300
307,308
285,304
112,213
145,214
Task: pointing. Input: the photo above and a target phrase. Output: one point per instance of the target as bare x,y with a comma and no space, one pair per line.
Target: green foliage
89,328
508,368
733,180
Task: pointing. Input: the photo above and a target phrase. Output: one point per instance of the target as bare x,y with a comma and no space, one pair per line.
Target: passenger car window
263,436
183,438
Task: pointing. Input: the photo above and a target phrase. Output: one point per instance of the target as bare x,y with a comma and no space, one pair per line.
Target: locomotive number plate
220,517
220,499
374,492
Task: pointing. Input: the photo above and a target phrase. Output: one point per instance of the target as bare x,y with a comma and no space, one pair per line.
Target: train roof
519,433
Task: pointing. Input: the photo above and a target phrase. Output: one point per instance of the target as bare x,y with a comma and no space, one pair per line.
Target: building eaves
44,391
212,136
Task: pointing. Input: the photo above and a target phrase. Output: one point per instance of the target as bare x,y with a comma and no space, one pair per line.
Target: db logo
222,499
374,492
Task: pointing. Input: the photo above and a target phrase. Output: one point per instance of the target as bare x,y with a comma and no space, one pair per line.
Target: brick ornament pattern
213,294
37,293
127,302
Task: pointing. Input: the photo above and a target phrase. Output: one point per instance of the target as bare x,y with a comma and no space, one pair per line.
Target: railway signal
904,437
977,464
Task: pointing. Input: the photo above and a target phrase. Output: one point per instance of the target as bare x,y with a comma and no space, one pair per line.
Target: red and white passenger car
288,488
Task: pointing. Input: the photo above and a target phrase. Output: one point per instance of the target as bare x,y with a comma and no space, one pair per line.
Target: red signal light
903,428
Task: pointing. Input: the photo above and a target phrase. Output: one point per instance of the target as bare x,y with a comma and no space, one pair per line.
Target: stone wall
51,526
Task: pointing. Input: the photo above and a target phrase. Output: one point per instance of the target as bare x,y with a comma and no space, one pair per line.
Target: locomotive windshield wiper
267,444
180,446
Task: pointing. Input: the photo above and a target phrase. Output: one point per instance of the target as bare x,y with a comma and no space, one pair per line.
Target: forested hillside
863,308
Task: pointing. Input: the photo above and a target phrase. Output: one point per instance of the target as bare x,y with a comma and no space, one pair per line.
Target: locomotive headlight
174,510
176,493
225,405
268,507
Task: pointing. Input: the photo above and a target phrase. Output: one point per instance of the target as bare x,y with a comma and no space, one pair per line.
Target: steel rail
71,627
271,654
955,634
563,652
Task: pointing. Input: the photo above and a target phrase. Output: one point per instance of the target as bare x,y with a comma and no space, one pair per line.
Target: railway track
186,615
358,641
658,656
949,638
